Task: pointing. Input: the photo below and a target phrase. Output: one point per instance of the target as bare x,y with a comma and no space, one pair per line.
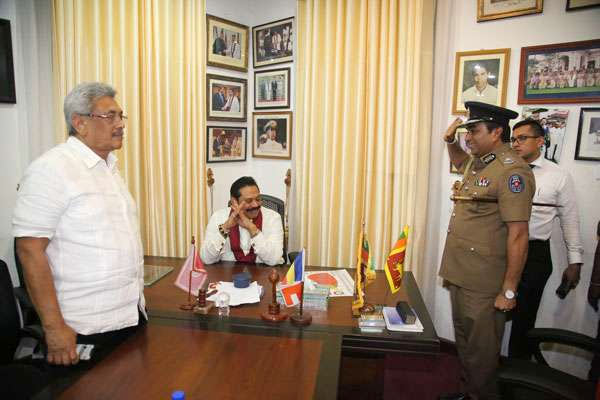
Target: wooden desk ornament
202,305
274,314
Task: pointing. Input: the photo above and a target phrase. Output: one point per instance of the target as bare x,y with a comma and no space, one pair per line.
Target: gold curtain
153,53
363,117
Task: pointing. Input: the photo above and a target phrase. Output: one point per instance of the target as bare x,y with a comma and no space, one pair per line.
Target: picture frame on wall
560,73
488,10
573,5
7,74
480,75
460,137
225,143
272,136
227,44
588,135
272,88
226,98
273,43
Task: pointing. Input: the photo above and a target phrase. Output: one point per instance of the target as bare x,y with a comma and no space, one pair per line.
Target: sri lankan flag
394,265
365,271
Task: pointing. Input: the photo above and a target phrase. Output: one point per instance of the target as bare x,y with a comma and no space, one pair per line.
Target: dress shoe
454,396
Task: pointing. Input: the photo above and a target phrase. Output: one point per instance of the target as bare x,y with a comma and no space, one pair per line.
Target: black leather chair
521,379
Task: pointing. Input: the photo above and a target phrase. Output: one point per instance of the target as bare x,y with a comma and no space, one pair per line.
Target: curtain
153,53
362,127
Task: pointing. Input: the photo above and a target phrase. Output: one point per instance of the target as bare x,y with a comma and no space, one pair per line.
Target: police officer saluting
487,240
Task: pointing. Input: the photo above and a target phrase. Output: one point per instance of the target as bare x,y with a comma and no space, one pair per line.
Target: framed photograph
581,4
7,76
272,135
460,136
226,44
273,43
588,135
226,98
560,73
496,9
225,143
272,88
480,76
554,123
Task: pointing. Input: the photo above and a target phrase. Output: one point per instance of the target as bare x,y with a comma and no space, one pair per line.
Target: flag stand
301,318
190,306
274,314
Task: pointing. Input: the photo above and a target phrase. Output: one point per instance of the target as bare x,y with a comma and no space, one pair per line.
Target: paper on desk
238,296
339,281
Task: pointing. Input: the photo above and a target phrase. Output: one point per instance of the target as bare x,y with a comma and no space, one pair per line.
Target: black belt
538,241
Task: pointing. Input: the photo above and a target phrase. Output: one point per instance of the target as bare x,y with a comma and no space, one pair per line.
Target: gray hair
81,100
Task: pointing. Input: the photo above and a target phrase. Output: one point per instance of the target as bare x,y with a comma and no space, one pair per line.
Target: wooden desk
224,363
163,300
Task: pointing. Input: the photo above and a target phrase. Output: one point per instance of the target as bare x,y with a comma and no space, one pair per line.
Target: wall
457,30
269,174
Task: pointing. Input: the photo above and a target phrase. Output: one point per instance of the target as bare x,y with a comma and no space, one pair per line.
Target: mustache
252,209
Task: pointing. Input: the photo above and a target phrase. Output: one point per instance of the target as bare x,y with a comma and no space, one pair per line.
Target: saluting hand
451,131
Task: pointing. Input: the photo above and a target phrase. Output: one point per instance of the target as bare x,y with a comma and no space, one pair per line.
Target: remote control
406,313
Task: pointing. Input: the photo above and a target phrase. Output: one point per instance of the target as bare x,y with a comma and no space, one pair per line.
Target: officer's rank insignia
516,184
508,160
482,181
488,158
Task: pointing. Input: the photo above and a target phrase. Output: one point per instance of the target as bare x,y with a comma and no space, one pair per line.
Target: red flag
192,274
292,293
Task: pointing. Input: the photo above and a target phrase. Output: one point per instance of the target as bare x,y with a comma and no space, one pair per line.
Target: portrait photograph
554,123
272,88
227,44
273,43
226,98
488,10
480,76
588,135
560,73
225,143
272,136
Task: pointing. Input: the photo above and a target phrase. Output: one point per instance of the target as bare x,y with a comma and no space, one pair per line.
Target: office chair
522,379
278,205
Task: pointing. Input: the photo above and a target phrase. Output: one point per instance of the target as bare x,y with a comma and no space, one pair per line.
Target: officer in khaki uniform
487,240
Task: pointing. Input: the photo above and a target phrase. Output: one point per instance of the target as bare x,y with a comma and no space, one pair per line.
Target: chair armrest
560,336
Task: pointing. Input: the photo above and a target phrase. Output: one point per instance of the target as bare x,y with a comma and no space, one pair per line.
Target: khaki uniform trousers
478,328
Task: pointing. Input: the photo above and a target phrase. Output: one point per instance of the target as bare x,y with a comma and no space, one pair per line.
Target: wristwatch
509,294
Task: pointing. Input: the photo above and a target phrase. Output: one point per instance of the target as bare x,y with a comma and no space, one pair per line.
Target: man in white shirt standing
245,231
77,231
553,186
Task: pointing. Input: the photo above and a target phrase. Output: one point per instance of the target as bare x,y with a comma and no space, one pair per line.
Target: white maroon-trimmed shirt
80,202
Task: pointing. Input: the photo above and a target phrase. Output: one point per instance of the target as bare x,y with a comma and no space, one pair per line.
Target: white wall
269,174
457,30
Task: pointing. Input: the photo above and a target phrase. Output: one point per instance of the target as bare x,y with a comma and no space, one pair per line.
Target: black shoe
454,396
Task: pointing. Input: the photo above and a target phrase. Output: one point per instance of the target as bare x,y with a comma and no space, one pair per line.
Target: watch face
509,294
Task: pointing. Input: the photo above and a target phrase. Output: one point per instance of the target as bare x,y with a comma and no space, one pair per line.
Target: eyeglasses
110,117
521,139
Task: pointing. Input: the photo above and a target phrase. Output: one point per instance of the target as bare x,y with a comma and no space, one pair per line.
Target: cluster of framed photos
549,74
227,97
488,10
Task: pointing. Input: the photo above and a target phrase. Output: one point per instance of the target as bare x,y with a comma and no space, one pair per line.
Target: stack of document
238,296
393,321
316,297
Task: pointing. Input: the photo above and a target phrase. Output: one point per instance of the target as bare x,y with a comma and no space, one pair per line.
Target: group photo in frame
272,88
560,73
225,144
588,135
273,43
480,75
488,10
226,98
573,5
272,136
227,44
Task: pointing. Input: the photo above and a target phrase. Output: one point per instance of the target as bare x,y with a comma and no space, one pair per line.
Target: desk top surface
227,362
163,300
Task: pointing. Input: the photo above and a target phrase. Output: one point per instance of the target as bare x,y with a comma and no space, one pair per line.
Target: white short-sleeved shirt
80,202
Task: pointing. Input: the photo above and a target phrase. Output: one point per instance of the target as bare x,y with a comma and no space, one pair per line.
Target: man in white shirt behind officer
77,232
553,186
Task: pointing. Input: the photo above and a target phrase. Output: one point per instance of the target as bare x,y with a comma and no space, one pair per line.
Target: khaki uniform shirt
475,252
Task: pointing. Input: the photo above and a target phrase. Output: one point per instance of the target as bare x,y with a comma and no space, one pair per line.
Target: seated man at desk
245,231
